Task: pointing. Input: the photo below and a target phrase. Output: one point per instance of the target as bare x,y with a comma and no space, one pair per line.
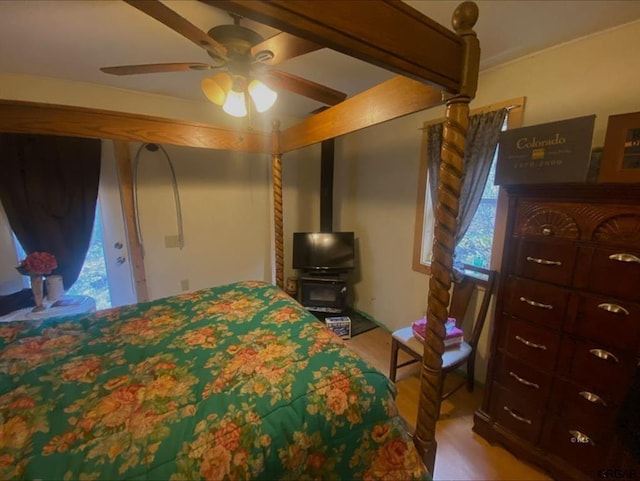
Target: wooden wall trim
125,177
421,205
39,118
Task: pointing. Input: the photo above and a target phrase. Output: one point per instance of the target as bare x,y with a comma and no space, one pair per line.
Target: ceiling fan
244,58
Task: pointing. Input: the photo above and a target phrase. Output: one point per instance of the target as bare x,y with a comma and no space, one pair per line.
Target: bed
442,69
236,381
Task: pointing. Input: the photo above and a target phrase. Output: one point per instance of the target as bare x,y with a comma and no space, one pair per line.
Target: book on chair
453,335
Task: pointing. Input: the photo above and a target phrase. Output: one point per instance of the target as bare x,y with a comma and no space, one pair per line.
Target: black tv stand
329,273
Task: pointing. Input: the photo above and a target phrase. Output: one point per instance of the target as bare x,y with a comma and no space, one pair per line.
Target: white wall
225,212
378,167
301,197
10,280
226,201
375,193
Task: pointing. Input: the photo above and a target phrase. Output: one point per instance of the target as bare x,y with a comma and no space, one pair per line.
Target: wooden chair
452,358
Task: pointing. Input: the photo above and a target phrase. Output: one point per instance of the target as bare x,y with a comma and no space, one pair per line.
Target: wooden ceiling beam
394,98
386,33
37,118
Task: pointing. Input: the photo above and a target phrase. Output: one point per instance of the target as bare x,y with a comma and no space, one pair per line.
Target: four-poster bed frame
435,65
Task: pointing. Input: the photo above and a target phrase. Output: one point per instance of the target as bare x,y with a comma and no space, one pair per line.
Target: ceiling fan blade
284,46
171,19
301,86
155,68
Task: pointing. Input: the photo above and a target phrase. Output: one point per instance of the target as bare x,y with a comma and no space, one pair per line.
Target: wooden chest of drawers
565,349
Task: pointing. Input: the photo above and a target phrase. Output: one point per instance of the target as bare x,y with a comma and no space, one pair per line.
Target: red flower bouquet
37,264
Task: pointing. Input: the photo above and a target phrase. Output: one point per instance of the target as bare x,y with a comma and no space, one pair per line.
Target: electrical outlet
184,284
171,241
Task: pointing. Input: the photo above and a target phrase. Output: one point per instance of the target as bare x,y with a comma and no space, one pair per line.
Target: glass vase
55,289
38,293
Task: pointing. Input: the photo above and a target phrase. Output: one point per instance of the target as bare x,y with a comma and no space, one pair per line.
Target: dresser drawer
545,261
531,344
594,411
572,442
612,322
615,272
523,380
536,301
597,368
545,220
516,414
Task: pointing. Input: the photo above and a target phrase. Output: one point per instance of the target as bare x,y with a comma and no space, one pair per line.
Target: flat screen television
323,251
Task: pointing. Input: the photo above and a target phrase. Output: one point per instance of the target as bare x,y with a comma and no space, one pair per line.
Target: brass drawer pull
602,354
615,308
580,438
515,416
543,262
523,381
625,258
531,344
593,398
536,304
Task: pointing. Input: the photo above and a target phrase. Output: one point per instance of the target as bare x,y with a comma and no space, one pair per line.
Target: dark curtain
480,147
48,188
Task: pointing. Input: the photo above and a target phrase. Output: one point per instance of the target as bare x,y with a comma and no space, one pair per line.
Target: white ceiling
72,39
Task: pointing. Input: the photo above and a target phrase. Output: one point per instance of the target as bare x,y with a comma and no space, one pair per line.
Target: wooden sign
621,154
556,152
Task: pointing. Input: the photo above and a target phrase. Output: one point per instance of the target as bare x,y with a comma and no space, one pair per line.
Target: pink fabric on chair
453,336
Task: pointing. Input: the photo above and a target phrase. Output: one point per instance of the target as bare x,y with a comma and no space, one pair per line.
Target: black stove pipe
326,185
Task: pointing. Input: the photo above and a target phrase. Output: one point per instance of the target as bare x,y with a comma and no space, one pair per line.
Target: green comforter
233,382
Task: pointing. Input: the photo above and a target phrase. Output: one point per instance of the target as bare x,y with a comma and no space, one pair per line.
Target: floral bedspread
232,382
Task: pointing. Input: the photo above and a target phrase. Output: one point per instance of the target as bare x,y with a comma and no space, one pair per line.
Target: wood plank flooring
462,454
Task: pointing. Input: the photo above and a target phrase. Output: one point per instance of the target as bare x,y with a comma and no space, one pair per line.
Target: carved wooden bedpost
446,226
278,225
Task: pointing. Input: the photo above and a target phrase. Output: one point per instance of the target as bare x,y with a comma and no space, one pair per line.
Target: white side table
66,306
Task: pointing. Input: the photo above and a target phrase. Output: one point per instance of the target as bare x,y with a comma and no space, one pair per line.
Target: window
475,249
92,280
107,273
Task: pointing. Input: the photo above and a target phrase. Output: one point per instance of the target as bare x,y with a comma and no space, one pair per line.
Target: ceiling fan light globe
235,104
263,97
215,88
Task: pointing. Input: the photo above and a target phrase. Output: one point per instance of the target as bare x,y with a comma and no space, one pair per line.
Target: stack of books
453,336
339,325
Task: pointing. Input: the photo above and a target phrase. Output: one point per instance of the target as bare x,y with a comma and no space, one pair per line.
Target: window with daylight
93,280
474,250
